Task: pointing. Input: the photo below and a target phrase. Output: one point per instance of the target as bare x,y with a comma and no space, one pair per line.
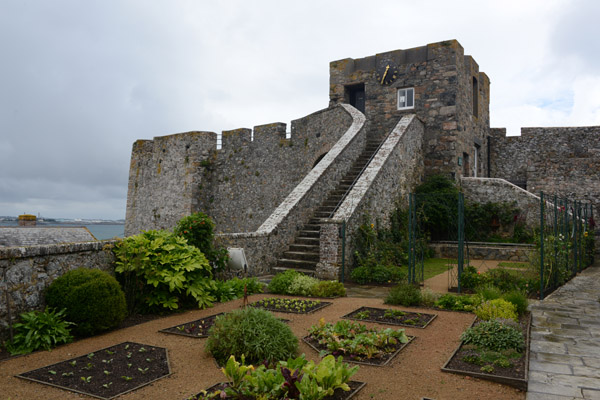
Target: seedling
107,372
143,371
90,356
127,378
73,363
67,374
52,372
86,379
107,385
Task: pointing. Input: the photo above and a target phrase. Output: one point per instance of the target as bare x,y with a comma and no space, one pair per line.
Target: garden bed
339,394
287,305
515,376
391,317
108,372
195,329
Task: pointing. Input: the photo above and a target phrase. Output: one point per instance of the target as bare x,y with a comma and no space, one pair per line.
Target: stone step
307,240
312,234
311,227
301,255
311,248
309,272
322,214
295,264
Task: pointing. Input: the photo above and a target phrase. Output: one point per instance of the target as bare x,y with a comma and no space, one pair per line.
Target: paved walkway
565,341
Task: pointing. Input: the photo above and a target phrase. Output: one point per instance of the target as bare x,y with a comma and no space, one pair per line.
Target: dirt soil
413,374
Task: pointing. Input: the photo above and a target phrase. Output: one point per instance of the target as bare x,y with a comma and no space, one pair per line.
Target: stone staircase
303,253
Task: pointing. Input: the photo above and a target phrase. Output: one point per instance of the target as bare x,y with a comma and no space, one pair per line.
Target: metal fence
563,241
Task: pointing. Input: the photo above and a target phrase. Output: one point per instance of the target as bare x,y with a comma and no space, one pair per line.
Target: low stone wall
264,246
485,251
392,174
25,272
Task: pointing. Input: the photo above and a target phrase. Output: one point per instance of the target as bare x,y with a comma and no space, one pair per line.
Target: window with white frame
406,98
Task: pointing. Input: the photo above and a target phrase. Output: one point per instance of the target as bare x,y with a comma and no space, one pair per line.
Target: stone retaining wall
25,272
485,251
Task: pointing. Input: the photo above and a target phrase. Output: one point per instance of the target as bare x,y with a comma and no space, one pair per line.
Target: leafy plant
405,294
39,330
280,282
494,335
292,379
498,308
518,299
162,269
328,289
198,229
93,300
287,305
254,332
233,288
302,285
352,338
457,302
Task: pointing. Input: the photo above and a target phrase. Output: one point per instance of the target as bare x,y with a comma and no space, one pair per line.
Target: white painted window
406,98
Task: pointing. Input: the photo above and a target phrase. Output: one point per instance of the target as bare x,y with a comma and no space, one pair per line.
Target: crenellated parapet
238,185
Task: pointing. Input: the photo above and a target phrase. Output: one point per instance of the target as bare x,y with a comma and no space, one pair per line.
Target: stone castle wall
25,272
266,244
442,78
239,185
561,161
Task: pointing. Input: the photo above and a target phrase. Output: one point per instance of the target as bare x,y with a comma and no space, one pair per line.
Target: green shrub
471,278
302,285
457,302
428,297
519,299
233,288
503,279
39,330
282,281
328,289
493,335
377,274
497,308
404,294
198,229
489,292
255,333
92,298
160,270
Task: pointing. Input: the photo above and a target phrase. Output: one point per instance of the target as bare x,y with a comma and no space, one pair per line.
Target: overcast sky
80,81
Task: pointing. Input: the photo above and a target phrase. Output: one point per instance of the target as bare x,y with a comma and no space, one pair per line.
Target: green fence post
343,249
556,261
411,237
575,243
541,245
461,232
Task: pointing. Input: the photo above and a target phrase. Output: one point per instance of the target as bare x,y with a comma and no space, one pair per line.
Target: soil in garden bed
379,360
517,372
198,328
108,372
391,317
287,305
338,394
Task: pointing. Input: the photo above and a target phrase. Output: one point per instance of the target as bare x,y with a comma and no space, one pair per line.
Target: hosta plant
39,330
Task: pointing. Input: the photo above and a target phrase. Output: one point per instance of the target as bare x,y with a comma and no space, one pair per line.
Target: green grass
435,266
511,264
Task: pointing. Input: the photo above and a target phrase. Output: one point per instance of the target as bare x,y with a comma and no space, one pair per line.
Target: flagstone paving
564,359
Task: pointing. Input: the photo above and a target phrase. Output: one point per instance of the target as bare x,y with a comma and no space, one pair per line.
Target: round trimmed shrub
302,285
92,298
495,336
328,289
253,332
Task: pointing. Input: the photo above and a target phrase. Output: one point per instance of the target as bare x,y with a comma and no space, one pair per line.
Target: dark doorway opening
356,96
